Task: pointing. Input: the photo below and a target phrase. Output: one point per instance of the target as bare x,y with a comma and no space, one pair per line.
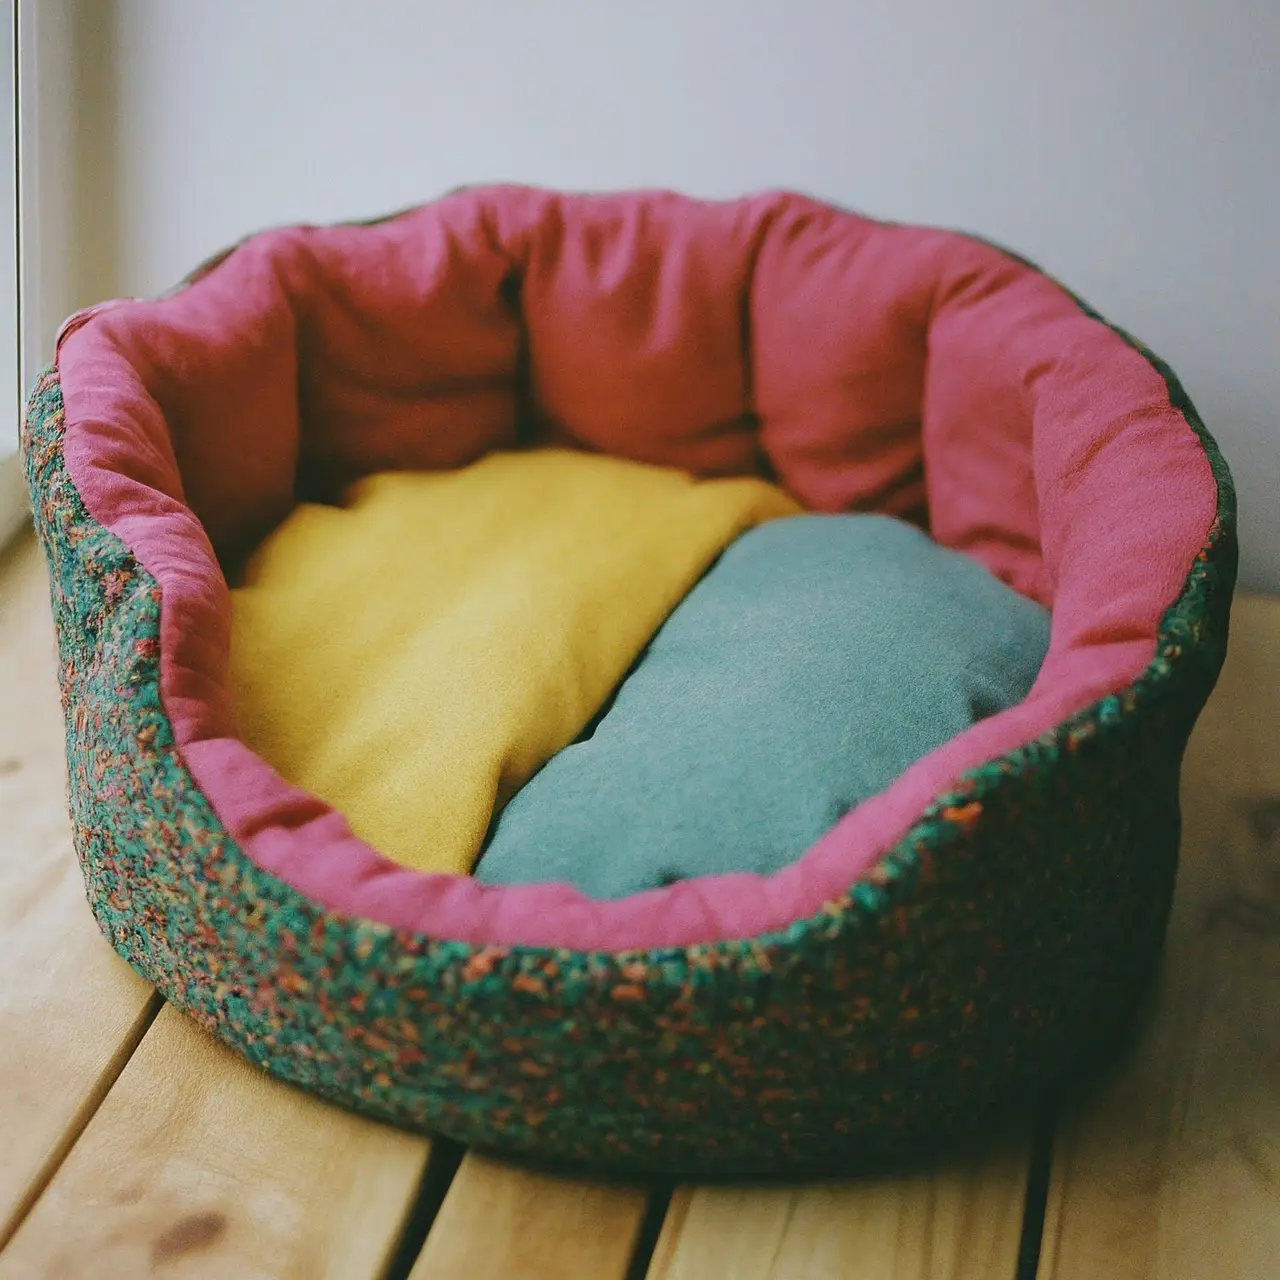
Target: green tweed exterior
1001,947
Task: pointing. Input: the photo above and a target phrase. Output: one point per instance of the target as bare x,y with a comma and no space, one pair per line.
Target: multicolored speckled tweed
999,948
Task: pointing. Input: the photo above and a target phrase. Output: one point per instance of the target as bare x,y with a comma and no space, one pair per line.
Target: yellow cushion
416,655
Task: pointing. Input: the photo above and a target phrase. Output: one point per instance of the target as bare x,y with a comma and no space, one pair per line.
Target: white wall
1131,146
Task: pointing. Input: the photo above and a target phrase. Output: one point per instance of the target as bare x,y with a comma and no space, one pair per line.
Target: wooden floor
132,1145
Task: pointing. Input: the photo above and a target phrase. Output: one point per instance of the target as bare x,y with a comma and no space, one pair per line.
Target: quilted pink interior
864,365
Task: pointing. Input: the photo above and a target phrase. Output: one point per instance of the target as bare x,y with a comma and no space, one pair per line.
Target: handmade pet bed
972,934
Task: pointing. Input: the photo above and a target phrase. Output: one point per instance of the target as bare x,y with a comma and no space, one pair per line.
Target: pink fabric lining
869,366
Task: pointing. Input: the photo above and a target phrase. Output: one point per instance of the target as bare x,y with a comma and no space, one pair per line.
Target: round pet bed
978,931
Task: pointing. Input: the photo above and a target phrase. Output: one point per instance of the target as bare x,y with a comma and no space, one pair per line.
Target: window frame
42,146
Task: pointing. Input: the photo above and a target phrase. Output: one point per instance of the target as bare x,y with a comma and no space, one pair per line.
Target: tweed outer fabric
1001,947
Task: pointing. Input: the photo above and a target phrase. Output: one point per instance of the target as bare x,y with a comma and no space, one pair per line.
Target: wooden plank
70,1010
962,1222
1173,1173
198,1164
503,1223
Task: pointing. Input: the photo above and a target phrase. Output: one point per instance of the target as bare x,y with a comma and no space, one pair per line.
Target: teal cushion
817,660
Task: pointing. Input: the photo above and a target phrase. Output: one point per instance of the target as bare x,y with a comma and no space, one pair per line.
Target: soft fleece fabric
415,655
867,365
816,661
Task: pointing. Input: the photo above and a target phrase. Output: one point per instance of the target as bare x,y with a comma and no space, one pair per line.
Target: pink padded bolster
866,366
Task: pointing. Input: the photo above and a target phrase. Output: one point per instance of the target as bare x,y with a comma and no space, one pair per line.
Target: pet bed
967,934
